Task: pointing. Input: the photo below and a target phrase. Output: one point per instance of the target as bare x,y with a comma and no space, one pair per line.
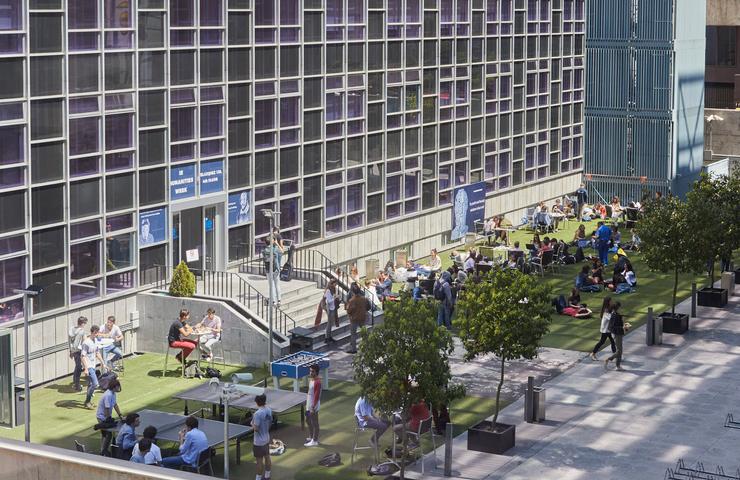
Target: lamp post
274,218
28,292
225,391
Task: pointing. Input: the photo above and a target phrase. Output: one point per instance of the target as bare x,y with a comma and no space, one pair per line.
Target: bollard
529,401
448,450
650,328
693,300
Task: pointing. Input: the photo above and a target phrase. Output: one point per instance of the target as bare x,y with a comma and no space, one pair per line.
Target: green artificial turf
58,419
654,290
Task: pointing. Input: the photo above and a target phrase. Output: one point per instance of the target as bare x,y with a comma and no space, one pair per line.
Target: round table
104,342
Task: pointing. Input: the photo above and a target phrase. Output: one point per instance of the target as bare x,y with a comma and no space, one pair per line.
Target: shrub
183,281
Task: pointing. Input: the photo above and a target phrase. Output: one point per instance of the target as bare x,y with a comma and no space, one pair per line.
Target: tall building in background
138,133
644,96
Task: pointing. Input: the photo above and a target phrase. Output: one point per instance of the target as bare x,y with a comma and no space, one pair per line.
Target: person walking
581,199
269,251
261,422
75,338
357,309
313,403
618,328
604,329
330,305
443,292
90,354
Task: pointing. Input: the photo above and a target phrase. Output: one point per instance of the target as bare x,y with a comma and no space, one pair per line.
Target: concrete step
301,304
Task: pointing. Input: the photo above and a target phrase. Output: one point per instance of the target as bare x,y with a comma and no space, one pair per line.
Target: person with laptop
192,443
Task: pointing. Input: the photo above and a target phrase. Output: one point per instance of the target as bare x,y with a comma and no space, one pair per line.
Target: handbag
319,313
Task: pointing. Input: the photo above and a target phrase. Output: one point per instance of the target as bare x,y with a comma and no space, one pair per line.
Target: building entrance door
194,238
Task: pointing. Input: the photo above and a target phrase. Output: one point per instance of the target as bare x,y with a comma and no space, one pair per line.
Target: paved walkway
670,404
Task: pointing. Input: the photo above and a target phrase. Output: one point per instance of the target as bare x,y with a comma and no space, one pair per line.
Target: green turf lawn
654,290
58,419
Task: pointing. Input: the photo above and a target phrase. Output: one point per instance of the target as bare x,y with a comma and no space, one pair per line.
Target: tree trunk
711,273
675,291
498,394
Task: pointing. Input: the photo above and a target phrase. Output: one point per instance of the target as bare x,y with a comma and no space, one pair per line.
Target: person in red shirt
417,414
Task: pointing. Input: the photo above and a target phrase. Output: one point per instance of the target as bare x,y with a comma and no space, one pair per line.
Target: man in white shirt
90,354
366,419
76,336
212,323
154,455
112,331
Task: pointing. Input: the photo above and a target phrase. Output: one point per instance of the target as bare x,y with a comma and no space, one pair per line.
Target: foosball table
295,366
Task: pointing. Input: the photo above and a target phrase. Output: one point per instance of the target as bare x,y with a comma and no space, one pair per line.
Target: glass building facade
135,132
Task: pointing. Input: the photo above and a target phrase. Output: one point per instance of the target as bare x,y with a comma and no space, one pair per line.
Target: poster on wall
469,206
211,177
240,209
182,181
152,226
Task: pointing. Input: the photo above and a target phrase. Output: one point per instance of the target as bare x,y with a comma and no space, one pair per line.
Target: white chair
370,446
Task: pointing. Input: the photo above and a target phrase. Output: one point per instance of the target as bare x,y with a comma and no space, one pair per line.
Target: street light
225,392
28,292
274,218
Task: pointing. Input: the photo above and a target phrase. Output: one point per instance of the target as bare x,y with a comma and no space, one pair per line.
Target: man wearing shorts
261,422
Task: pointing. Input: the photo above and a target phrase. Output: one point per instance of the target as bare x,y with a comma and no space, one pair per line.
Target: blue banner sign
152,226
468,206
182,181
211,177
240,208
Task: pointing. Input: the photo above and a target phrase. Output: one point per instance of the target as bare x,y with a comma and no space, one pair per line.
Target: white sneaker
311,443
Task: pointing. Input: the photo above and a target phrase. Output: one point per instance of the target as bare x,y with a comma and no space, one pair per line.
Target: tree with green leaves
183,281
669,240
405,360
506,314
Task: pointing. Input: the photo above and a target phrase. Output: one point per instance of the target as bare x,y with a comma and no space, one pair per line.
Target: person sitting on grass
627,281
126,438
154,455
575,308
597,271
586,283
579,236
192,442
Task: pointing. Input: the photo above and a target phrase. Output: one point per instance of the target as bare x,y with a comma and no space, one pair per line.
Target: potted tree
183,281
668,245
506,314
405,360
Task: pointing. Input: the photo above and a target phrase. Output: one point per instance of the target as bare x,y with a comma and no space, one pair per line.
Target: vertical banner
468,206
240,208
152,226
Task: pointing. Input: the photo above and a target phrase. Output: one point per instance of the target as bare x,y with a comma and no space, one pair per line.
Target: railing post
693,300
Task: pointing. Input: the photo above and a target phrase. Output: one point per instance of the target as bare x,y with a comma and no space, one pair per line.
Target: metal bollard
448,450
650,330
529,401
693,300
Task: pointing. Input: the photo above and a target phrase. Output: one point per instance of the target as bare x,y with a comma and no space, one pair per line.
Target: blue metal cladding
654,20
608,20
605,143
654,80
608,78
651,147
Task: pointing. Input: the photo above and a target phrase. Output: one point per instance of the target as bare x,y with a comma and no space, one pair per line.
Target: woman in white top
604,329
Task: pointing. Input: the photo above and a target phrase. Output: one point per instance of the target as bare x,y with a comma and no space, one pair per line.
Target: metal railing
229,285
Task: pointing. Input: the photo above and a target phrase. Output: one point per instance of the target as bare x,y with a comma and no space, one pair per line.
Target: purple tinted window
210,13
84,229
289,86
84,259
289,111
356,33
333,179
355,221
334,130
355,11
119,161
264,140
119,101
83,41
393,188
264,115
182,124
11,15
264,35
461,173
395,12
288,188
288,137
12,140
393,211
182,95
119,131
184,151
182,38
84,135
211,148
334,226
492,10
264,193
264,12
12,244
412,11
117,14
462,10
12,177
289,35
211,37
411,184
13,275
334,202
82,13
118,40
84,166
289,213
334,11
11,44
211,121
11,111
264,88
209,94
334,106
13,311
119,282
355,198
79,292
354,174
182,13
83,105
446,11
355,104
288,12
119,222
411,206
444,177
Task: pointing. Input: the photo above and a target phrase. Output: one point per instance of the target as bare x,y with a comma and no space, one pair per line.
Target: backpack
331,460
569,259
438,291
386,468
213,372
579,257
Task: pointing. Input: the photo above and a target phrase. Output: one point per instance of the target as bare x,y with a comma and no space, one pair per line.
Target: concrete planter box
711,297
482,439
678,323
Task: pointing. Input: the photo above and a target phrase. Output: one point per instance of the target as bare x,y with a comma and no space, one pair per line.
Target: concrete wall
244,344
725,134
20,461
723,12
48,337
427,231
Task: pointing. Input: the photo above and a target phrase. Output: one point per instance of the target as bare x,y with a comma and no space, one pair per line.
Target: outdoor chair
425,428
539,264
530,217
167,355
204,460
370,445
631,214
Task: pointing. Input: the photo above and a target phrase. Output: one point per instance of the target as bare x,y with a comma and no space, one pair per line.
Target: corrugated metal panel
654,85
626,190
606,145
608,20
654,20
651,148
607,67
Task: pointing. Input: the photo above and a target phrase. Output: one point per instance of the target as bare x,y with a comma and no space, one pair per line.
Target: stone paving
669,404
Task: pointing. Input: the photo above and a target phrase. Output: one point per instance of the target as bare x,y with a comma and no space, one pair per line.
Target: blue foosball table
295,366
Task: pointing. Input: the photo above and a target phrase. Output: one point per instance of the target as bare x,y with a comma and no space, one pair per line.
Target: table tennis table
168,426
279,401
